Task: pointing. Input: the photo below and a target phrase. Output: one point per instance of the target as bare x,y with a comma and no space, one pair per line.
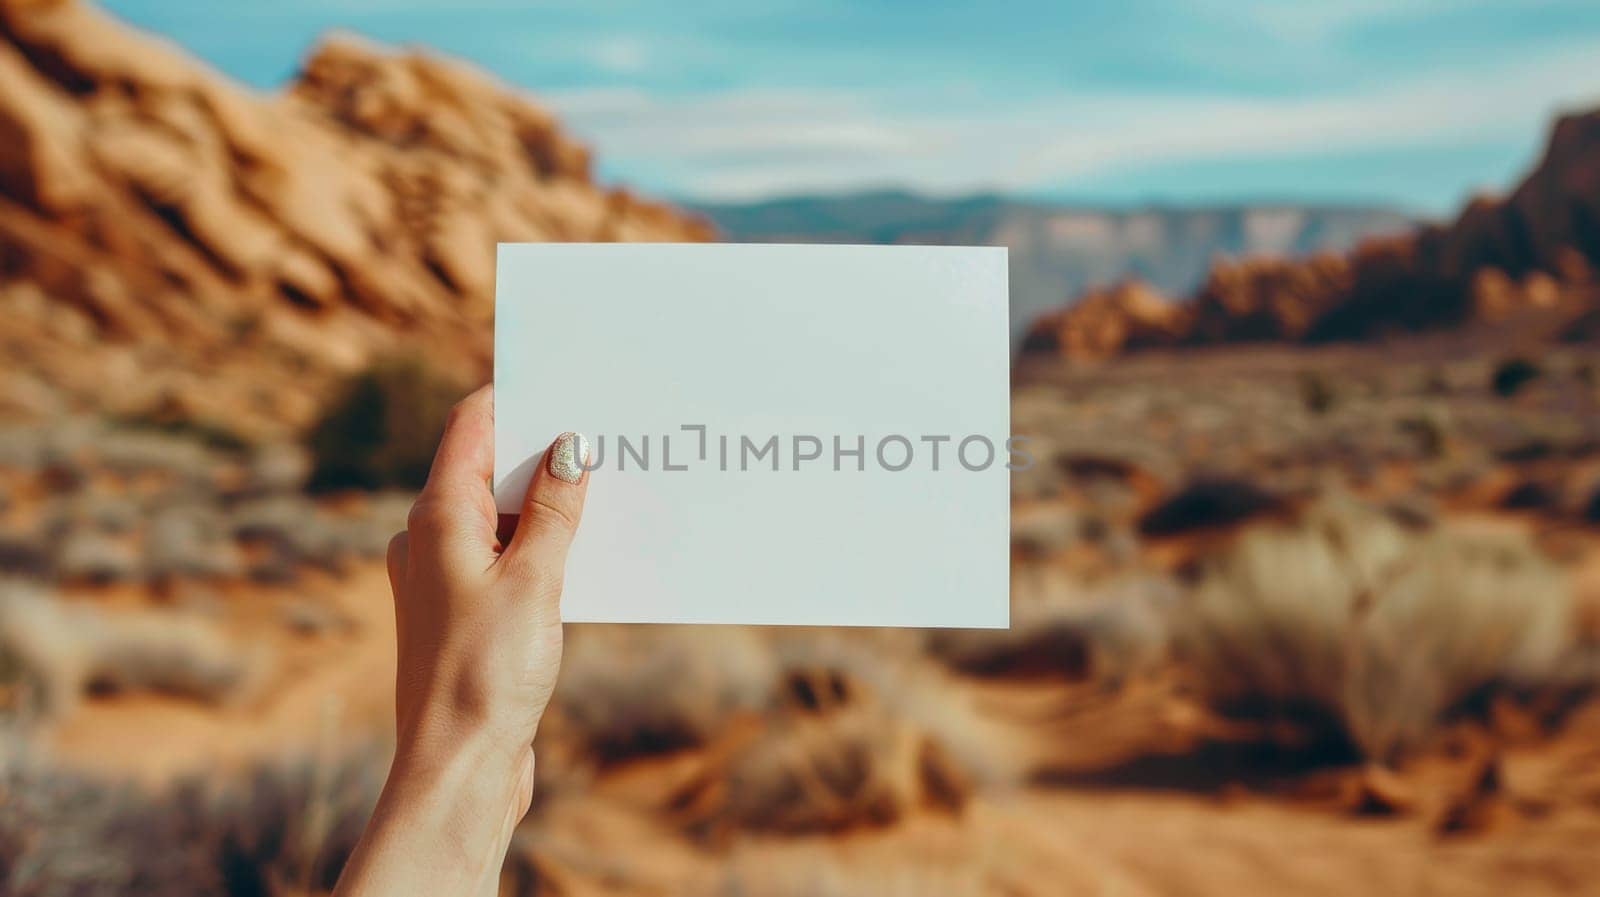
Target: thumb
552,506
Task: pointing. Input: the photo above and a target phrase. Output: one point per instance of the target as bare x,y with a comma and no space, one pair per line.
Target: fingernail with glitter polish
567,457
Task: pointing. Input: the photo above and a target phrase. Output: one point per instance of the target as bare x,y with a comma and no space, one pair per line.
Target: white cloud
745,143
1311,25
620,55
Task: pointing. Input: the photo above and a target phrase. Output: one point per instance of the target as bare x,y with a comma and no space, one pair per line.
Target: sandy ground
323,693
332,690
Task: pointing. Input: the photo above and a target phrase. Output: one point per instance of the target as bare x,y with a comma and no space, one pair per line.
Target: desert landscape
1305,587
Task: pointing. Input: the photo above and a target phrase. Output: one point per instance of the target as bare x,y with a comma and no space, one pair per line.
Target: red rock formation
1535,250
1265,298
168,237
1105,322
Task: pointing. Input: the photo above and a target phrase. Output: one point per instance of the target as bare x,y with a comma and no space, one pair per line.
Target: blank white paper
682,349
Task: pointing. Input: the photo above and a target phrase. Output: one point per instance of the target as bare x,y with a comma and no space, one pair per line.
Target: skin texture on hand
478,633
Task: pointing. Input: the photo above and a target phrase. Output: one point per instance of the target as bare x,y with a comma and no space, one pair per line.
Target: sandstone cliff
1533,251
172,240
1122,317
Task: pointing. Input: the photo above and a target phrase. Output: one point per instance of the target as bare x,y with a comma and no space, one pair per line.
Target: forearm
442,824
477,648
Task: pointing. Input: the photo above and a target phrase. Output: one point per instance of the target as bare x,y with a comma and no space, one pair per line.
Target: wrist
444,821
465,796
467,769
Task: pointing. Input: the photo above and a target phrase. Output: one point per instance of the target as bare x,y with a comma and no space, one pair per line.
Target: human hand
478,633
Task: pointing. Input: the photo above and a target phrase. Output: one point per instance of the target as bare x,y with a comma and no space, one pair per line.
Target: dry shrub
841,729
275,468
1373,631
56,652
755,872
95,511
858,766
628,690
189,541
888,669
1317,392
1534,495
25,555
1512,374
131,449
1207,502
1107,638
294,532
287,829
1042,530
96,557
862,733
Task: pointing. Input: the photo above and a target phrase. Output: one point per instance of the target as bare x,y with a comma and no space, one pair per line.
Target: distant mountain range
1518,267
1059,250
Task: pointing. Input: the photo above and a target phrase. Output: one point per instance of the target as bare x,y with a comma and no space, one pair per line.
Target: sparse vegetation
1430,432
286,829
1512,374
1317,392
1106,638
1208,502
628,691
856,767
1375,629
1043,531
382,428
858,736
1533,495
52,653
1346,620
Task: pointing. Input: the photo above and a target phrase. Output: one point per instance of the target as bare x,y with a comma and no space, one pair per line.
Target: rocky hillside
1531,253
173,242
1059,249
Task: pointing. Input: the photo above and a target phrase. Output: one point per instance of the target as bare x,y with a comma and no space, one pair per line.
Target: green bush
1511,375
382,428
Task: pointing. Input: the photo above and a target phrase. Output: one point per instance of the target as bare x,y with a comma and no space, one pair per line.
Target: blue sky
1413,102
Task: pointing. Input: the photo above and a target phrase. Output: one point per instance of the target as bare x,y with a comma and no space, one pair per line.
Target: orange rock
194,221
1106,322
1533,250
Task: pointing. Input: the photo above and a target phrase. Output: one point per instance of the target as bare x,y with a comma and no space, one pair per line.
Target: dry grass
887,670
857,766
54,653
285,829
842,729
861,731
190,541
1379,631
130,505
295,533
1105,635
820,873
629,690
1207,502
